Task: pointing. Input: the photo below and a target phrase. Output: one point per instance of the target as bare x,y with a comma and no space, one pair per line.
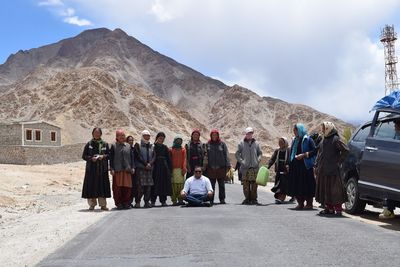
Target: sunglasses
197,171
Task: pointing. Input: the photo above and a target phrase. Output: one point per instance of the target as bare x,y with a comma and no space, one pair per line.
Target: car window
385,130
362,134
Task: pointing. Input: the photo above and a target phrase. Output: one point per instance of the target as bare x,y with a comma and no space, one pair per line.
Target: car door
380,163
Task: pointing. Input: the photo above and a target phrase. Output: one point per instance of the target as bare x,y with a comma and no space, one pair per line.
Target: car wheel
354,204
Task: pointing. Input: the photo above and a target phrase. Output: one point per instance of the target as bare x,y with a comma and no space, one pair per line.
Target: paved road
229,235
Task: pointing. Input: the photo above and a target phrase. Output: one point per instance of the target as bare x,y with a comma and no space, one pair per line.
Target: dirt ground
40,209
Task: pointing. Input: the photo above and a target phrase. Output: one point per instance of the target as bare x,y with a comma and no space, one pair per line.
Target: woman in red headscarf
218,163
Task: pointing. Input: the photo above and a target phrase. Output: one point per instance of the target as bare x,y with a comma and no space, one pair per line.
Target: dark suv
371,172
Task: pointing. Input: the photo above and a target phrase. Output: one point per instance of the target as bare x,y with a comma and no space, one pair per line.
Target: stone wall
10,134
40,155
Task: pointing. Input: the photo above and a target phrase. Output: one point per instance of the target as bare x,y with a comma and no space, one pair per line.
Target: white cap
249,130
145,132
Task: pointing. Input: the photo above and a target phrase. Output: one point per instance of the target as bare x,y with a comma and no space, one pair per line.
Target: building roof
29,122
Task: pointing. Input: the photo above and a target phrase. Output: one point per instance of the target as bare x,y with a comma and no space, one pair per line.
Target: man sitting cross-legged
197,190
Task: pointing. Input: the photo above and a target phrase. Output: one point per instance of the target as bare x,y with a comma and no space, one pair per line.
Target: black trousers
154,196
135,190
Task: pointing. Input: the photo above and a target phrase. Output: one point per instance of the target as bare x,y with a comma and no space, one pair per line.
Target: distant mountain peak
137,87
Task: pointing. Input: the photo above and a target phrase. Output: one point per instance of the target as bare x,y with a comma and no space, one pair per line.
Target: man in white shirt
197,189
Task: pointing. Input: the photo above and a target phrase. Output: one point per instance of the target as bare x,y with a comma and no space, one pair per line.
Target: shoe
153,203
206,204
338,214
387,214
326,212
222,202
119,207
131,205
126,207
91,208
181,203
163,204
254,202
246,202
308,207
147,205
299,207
278,201
137,206
104,208
175,204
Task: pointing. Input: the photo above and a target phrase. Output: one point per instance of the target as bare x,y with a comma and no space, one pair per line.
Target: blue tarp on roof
390,101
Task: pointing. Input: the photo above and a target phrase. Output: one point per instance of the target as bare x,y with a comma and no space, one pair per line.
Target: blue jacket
307,145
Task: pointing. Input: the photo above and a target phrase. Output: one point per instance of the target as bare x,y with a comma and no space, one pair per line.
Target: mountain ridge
44,83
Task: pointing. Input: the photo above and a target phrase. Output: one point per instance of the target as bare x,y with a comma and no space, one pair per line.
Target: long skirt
122,188
280,188
330,190
301,180
161,178
145,177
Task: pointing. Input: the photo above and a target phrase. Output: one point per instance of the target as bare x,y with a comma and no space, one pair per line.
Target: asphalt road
229,235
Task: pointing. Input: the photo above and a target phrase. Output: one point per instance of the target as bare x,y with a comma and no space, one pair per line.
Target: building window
53,136
28,135
38,135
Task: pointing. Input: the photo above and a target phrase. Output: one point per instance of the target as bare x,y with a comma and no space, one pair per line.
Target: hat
145,132
249,130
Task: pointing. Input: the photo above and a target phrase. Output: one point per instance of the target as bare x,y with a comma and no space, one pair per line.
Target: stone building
30,133
35,142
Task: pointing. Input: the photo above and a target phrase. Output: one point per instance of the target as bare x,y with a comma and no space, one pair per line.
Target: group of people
189,173
148,171
306,170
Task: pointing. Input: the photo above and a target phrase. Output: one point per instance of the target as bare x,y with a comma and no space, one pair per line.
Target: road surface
229,235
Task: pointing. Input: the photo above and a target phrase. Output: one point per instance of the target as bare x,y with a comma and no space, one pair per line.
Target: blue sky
325,54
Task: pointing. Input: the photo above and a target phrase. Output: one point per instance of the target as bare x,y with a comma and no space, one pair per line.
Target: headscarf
284,139
217,132
145,132
329,128
175,143
301,132
193,132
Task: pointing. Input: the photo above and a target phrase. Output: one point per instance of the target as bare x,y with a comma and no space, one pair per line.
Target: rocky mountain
106,78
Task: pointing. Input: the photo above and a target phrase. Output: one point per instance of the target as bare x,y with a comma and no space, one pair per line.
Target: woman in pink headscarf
121,168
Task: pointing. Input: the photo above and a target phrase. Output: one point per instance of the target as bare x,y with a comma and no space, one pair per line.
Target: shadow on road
372,217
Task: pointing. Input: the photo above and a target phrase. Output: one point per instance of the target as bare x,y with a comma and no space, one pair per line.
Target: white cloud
77,21
160,12
51,3
325,54
68,14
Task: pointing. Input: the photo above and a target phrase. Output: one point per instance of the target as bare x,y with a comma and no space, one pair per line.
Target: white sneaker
386,214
